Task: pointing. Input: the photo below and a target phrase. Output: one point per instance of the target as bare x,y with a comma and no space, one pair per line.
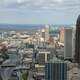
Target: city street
30,76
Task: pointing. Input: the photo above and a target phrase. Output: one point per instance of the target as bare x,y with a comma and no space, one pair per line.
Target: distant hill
18,26
25,26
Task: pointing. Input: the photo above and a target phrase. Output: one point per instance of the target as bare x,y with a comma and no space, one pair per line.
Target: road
6,71
30,76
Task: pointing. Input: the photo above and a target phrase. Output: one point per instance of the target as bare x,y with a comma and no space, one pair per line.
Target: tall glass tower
55,71
77,41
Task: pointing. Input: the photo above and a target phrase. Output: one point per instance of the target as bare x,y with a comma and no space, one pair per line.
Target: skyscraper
46,32
77,41
55,71
68,43
62,35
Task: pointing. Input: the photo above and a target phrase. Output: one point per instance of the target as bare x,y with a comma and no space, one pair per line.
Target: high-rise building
43,57
74,38
69,43
61,35
77,41
55,71
45,33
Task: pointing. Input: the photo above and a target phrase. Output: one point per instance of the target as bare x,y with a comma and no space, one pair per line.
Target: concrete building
43,56
40,72
45,33
61,37
68,43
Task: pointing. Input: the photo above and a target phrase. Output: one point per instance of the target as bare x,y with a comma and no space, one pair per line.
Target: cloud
36,11
41,4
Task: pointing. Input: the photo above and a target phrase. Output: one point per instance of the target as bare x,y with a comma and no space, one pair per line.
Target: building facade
77,41
55,71
68,43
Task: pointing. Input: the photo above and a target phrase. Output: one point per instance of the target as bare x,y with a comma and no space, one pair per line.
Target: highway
6,73
7,67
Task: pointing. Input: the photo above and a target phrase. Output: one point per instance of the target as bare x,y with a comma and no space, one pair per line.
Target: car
14,73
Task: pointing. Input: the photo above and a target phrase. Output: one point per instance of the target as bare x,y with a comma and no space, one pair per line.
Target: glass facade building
55,71
77,41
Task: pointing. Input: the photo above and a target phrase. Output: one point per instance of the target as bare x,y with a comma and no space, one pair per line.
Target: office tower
2,36
5,34
42,44
46,32
43,33
68,43
43,57
74,38
62,35
55,71
77,41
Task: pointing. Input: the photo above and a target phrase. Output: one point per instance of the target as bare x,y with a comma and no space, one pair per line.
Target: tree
25,75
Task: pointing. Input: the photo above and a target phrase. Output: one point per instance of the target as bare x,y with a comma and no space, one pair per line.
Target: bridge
8,65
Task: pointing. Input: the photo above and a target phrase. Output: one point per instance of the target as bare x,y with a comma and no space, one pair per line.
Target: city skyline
39,11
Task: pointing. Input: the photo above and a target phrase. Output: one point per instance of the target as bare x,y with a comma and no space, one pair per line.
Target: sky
39,11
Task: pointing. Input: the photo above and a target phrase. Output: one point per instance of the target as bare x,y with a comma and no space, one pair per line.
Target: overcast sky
39,11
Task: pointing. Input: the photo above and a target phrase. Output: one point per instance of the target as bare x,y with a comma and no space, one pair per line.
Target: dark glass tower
77,41
55,71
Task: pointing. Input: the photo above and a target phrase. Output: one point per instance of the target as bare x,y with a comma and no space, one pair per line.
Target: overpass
8,65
